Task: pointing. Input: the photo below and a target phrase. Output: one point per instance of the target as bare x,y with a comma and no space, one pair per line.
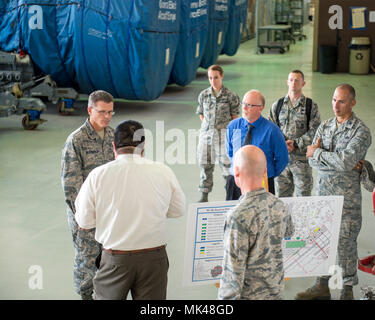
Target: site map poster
311,251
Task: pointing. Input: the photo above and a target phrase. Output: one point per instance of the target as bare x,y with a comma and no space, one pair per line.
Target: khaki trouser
143,274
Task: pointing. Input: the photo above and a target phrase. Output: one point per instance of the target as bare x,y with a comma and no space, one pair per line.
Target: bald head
250,162
252,105
256,95
349,88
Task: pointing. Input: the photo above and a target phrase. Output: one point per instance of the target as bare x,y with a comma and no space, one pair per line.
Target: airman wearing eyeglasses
86,148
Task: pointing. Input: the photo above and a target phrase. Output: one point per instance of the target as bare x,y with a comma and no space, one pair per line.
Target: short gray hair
99,95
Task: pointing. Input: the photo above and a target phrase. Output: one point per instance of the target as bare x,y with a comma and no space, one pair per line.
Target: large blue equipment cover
23,26
129,48
218,15
124,47
192,41
237,23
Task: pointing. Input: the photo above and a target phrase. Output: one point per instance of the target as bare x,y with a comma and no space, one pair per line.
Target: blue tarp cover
236,26
192,41
130,48
218,16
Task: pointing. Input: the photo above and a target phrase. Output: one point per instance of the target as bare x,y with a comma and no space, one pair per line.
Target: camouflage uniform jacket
341,148
293,124
83,151
217,111
253,261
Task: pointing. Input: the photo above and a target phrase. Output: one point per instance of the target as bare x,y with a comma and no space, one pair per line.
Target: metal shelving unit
297,18
282,12
283,16
278,35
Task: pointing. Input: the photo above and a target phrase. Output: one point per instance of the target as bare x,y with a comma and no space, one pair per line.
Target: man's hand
359,165
290,145
311,149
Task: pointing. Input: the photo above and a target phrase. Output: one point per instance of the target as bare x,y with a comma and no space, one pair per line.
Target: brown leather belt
110,251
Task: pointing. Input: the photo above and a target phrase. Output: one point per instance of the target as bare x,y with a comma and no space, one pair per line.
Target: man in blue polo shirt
253,129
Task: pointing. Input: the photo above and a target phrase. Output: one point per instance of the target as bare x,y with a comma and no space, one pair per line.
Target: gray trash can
359,61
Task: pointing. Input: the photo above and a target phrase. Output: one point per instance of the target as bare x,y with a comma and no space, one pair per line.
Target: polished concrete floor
33,227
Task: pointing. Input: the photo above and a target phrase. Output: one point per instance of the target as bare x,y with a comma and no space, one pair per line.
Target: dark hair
129,133
216,67
299,72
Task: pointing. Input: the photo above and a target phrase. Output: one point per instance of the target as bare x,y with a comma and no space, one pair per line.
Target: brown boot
204,197
319,291
347,293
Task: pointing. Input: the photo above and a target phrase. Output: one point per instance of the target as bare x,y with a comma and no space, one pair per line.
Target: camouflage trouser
347,253
86,251
297,174
207,155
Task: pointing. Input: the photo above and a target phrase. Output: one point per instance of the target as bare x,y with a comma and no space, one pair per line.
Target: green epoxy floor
33,227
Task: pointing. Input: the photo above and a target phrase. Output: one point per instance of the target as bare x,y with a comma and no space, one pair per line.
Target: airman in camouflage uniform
217,106
85,149
292,121
339,145
253,233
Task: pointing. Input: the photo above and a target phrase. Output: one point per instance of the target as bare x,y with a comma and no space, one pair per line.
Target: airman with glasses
86,148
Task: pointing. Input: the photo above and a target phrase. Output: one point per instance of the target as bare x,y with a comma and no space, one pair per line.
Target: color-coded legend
210,227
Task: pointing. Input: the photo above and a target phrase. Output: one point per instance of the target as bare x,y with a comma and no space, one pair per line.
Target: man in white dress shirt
128,200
